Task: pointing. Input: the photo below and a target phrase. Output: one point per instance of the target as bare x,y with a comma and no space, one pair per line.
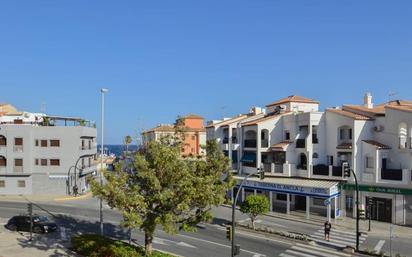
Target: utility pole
30,210
102,91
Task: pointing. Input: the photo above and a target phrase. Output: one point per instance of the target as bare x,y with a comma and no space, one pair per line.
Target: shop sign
375,189
288,188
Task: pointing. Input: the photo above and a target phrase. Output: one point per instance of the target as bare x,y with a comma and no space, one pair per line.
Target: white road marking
186,245
214,243
243,221
160,241
379,246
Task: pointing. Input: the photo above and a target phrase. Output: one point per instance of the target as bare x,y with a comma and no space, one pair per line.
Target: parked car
41,224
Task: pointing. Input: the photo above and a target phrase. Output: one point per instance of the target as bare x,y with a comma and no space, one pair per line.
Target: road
209,240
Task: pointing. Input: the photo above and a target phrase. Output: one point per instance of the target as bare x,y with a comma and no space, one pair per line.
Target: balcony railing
251,143
86,147
391,174
267,167
18,169
278,168
337,171
321,170
300,143
234,140
225,140
264,143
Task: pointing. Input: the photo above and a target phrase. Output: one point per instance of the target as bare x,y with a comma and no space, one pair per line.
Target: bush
92,245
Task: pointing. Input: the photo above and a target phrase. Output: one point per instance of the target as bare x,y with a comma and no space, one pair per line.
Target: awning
281,146
249,157
306,187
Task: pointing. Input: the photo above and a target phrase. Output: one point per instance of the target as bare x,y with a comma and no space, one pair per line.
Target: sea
117,150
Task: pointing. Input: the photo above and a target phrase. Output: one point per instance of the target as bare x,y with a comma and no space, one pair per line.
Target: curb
87,195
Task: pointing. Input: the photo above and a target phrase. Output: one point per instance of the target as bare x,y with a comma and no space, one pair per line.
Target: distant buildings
38,153
194,134
302,151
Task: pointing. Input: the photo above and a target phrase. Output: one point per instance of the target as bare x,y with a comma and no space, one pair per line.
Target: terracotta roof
281,145
192,116
264,118
377,144
228,121
344,146
294,99
161,128
406,108
349,114
362,110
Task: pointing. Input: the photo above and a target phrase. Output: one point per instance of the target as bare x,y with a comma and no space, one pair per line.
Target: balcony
18,149
18,169
326,171
234,140
250,143
225,140
264,143
300,143
315,140
321,170
391,174
92,147
337,171
267,167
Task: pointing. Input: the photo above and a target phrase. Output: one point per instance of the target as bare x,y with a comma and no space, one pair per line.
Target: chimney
256,110
367,101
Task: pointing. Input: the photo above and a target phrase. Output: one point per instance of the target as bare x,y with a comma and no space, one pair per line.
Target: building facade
302,149
194,134
38,154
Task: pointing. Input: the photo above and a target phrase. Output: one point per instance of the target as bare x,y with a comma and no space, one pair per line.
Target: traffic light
229,232
346,169
262,174
370,201
362,214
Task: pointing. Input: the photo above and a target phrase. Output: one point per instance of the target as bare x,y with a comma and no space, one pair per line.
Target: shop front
288,195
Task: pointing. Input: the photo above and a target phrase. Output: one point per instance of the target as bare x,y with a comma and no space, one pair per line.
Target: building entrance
381,209
300,203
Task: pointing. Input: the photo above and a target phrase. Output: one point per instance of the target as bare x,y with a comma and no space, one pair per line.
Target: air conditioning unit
378,128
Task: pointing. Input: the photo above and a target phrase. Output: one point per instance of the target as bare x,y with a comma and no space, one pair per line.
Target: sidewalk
15,244
43,198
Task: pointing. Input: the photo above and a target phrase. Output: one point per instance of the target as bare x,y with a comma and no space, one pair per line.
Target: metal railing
225,140
321,170
250,143
391,174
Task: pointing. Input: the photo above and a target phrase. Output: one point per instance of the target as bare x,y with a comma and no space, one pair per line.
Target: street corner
71,198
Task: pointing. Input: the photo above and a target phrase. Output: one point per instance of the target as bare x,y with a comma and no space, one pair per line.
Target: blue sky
216,57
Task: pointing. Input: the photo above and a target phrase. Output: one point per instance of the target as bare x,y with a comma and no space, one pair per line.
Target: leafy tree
167,189
255,205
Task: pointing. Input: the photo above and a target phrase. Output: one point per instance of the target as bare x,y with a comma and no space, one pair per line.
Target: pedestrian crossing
338,238
304,250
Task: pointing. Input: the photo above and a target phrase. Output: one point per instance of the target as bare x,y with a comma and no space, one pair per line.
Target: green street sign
378,189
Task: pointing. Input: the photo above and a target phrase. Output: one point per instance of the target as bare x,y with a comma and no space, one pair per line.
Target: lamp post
261,173
102,91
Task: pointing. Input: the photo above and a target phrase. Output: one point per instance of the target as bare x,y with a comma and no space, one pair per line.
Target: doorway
381,209
300,203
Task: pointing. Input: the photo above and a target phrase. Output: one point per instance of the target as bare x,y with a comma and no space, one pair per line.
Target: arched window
264,137
315,155
403,135
250,139
303,163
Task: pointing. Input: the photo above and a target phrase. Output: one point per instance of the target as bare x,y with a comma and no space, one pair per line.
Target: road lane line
219,244
379,246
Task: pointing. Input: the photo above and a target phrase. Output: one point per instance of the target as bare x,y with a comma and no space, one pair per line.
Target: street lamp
346,172
102,91
261,173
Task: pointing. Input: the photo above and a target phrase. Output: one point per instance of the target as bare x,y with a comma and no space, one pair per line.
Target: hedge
92,245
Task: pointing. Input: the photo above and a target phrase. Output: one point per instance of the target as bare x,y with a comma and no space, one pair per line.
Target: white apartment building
42,154
302,150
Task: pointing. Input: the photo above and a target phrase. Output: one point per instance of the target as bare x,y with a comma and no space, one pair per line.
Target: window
3,141
3,161
43,143
2,183
369,162
350,133
55,143
43,162
303,165
18,141
56,162
281,197
315,156
36,142
403,133
36,162
287,135
330,160
315,139
18,162
21,183
318,201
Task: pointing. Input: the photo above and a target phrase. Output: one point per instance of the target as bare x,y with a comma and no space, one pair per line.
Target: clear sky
160,59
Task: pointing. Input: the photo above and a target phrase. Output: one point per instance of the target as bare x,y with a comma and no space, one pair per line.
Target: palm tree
127,142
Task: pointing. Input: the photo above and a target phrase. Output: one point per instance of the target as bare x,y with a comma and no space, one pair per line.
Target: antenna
43,107
392,94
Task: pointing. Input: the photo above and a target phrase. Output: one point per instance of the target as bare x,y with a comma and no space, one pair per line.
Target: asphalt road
209,241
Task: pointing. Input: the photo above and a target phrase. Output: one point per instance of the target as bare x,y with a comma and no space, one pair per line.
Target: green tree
255,205
167,189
